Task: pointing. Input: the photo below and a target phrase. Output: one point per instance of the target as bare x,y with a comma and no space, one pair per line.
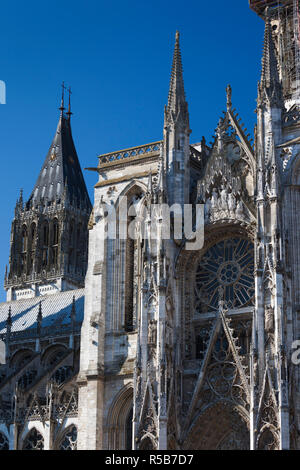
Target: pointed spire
270,81
176,92
269,60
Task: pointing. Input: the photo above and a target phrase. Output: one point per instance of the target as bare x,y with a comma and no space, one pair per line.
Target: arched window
3,442
55,238
24,239
129,277
119,420
130,255
69,440
46,234
32,246
62,374
53,355
71,246
33,441
24,247
78,247
55,232
45,243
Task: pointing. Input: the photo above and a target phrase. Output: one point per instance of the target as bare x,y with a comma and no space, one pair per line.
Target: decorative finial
39,318
9,320
21,197
267,12
69,113
73,310
177,36
62,106
40,313
229,96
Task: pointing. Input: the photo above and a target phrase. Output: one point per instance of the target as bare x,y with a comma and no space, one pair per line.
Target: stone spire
176,149
270,83
176,101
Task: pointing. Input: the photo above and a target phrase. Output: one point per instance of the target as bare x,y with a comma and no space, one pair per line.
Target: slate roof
61,168
56,310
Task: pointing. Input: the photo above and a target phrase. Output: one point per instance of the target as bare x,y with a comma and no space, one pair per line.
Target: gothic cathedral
138,342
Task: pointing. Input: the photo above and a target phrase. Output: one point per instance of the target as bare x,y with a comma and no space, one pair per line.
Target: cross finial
63,88
69,113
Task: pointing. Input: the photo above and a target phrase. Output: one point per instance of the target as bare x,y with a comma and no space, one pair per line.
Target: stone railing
32,333
140,151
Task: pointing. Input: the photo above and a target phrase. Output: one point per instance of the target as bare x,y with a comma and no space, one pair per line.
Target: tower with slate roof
49,233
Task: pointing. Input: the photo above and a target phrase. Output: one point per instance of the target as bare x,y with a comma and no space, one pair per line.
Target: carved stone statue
231,202
223,199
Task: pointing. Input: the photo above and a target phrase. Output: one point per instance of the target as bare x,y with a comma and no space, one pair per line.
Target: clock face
232,152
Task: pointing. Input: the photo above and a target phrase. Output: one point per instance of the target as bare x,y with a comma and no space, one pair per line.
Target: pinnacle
269,61
176,91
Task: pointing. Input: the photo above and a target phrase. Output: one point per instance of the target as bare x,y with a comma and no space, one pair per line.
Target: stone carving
224,205
286,155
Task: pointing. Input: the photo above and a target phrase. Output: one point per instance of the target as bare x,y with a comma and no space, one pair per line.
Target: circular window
228,264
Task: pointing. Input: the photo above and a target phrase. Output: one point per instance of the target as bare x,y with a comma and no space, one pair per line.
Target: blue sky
117,58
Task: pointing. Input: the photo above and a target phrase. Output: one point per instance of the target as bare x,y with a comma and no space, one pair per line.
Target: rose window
228,264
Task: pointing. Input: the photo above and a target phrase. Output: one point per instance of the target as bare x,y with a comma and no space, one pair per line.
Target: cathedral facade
118,336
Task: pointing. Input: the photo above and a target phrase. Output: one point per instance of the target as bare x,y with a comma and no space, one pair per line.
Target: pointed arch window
131,254
24,239
24,248
55,238
69,440
32,246
45,247
34,441
71,245
78,247
129,277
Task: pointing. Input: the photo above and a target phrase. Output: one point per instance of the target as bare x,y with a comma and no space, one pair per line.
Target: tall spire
270,82
176,100
269,60
176,149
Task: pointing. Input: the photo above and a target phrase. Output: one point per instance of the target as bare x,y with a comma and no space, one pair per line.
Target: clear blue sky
117,57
